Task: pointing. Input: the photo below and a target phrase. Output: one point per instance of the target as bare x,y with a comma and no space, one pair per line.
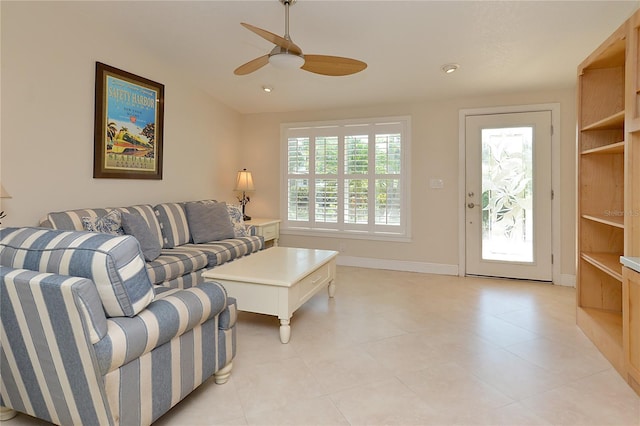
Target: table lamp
244,183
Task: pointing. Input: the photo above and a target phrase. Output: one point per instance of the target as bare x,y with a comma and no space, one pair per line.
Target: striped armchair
85,338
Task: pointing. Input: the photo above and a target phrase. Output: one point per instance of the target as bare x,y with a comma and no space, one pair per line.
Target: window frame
341,129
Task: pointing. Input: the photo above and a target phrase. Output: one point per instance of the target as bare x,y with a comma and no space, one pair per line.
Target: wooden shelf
609,263
614,148
608,147
614,121
609,56
631,283
617,221
604,329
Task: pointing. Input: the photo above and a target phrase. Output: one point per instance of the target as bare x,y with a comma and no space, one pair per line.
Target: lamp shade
244,181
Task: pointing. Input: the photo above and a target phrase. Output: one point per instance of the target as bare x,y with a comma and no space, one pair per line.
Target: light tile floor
396,348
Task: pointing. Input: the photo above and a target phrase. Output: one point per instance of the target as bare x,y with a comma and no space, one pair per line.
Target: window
350,177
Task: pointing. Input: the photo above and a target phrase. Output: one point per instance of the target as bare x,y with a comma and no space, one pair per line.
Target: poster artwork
131,116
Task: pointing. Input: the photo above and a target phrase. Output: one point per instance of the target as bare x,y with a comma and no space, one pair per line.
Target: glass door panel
507,194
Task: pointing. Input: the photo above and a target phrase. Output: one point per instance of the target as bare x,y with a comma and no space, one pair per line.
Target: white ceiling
501,46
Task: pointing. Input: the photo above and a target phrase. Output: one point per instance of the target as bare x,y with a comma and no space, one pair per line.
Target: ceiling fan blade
274,38
252,65
332,65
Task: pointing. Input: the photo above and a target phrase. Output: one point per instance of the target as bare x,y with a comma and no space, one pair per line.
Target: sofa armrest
49,323
52,287
229,316
172,313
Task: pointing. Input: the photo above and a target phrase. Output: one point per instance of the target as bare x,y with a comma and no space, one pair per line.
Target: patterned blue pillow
111,223
239,228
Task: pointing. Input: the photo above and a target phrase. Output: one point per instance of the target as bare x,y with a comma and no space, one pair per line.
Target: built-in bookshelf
631,272
608,154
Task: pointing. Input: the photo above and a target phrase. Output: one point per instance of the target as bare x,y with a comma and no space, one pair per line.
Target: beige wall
47,75
49,52
434,155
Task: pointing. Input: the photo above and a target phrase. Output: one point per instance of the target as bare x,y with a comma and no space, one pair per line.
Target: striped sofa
86,338
181,263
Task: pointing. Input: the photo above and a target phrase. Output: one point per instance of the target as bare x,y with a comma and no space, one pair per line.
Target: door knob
471,205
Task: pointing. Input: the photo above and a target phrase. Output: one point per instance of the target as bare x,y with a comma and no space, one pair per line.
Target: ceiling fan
286,54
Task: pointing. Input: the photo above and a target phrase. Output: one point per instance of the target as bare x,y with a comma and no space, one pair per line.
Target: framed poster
128,125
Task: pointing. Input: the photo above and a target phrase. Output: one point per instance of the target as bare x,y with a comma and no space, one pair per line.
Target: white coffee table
277,281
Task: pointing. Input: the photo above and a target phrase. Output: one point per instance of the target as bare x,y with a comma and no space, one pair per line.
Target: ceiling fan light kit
285,60
288,55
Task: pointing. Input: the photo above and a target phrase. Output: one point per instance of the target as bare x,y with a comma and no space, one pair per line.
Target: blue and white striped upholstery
173,223
219,252
71,220
181,262
149,215
114,263
47,359
229,316
173,313
149,386
57,345
184,281
174,263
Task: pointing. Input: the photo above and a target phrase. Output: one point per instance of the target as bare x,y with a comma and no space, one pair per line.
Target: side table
269,229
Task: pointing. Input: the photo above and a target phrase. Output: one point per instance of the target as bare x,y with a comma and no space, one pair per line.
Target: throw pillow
209,222
111,223
135,225
173,224
239,228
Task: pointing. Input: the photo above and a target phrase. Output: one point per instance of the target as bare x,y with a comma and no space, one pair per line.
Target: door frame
555,178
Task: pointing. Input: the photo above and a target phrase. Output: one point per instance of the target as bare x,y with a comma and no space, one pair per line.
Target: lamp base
246,218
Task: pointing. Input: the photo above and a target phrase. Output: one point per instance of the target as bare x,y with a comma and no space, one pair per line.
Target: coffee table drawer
309,285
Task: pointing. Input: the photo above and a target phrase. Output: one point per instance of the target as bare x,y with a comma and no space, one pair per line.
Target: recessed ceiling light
450,68
267,89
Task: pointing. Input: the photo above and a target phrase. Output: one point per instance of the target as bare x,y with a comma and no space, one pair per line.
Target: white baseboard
567,280
398,265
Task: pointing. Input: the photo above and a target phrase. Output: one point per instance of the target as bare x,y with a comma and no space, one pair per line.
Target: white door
508,195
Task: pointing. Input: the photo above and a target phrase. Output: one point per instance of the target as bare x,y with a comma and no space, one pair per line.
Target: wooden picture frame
129,118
